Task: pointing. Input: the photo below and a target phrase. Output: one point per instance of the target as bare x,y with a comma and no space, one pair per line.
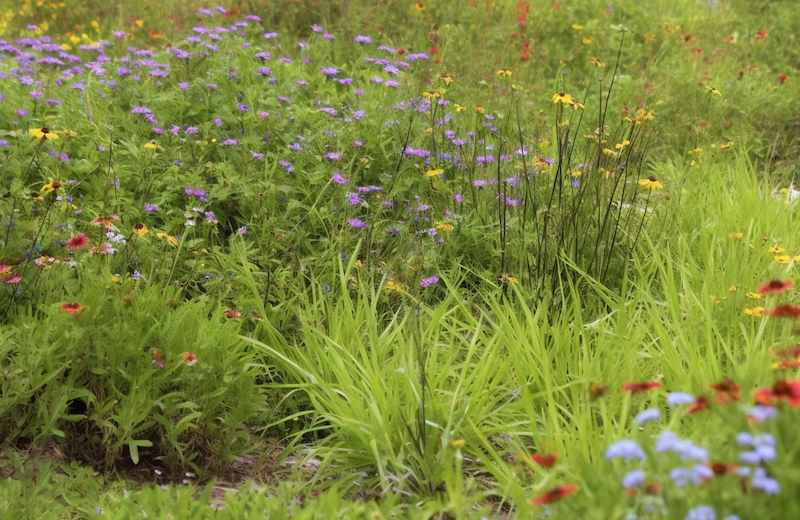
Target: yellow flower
577,27
458,443
776,249
732,288
51,186
42,133
796,259
736,236
726,146
445,227
458,107
139,23
70,133
755,296
713,90
169,238
434,173
623,144
153,146
116,278
612,153
419,7
756,312
480,110
696,151
597,63
392,286
504,73
783,259
140,229
651,183
586,41
561,97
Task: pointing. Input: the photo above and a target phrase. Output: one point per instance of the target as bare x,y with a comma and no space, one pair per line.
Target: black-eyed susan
736,236
43,133
504,73
651,183
775,250
419,7
153,146
561,97
140,229
434,172
712,90
51,186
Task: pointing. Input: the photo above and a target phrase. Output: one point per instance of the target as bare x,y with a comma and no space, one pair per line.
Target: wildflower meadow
374,259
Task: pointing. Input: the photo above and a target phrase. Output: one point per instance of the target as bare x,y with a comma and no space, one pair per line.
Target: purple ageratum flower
287,165
242,230
184,85
357,223
263,71
194,192
327,36
701,513
479,183
329,71
625,449
316,28
256,155
686,449
334,156
697,474
328,110
230,142
270,35
338,179
363,39
392,84
633,479
253,18
651,414
679,398
764,483
354,198
243,107
287,61
427,282
760,413
150,207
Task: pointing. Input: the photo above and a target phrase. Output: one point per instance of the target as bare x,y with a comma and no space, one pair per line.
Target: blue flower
679,398
651,414
761,413
668,441
702,513
697,474
633,479
625,449
764,483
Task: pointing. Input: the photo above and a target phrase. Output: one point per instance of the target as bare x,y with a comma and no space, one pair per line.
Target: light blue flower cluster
686,449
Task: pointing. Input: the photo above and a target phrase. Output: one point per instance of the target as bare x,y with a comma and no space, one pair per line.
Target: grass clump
433,260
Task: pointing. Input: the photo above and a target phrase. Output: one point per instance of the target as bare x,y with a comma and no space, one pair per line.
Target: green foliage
410,273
